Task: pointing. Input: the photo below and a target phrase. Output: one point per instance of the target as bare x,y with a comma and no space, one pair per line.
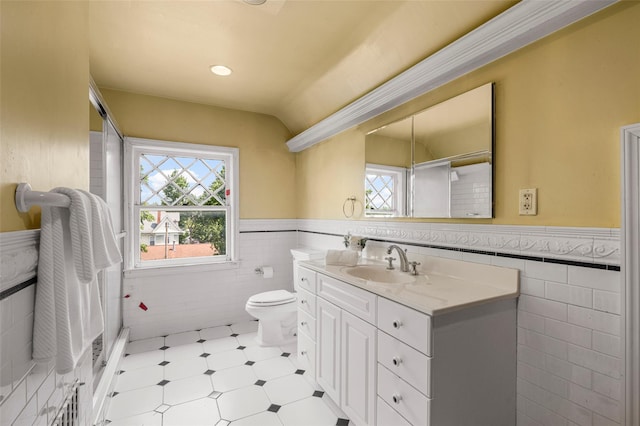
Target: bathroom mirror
437,163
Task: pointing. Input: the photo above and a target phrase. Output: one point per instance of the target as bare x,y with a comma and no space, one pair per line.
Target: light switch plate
528,202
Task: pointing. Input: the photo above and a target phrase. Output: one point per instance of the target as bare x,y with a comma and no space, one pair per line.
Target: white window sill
179,269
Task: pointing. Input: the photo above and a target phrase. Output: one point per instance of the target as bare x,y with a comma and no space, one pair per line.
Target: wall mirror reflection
437,163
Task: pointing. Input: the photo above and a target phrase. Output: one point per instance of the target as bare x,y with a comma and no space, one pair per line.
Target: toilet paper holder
265,271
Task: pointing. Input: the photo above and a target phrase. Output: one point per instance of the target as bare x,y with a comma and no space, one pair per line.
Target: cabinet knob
396,324
303,279
396,361
303,352
303,301
303,323
396,398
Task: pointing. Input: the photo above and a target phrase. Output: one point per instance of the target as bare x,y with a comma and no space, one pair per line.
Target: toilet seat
271,298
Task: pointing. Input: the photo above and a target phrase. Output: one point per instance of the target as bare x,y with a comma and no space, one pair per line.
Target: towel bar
26,198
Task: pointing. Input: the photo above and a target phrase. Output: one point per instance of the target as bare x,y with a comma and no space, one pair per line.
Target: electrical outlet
528,202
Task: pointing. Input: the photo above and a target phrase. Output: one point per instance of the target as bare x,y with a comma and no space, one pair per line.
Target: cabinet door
328,348
358,360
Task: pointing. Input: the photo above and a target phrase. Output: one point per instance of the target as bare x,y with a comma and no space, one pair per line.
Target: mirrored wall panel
437,163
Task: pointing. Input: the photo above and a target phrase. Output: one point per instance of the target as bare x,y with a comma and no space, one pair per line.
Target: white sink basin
379,274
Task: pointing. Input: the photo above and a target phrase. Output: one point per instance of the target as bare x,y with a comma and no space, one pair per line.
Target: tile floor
216,376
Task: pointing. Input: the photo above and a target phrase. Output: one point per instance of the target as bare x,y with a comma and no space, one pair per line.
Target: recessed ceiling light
220,70
255,2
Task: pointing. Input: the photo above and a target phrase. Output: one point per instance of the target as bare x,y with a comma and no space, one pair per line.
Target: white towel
341,257
68,313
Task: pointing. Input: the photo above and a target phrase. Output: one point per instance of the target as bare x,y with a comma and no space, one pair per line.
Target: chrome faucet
403,257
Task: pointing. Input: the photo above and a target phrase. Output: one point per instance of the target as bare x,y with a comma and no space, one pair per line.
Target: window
182,202
385,190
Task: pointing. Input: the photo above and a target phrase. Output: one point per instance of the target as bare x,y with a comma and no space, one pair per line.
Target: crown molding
520,25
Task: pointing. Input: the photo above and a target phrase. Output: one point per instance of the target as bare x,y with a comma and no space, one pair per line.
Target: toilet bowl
276,314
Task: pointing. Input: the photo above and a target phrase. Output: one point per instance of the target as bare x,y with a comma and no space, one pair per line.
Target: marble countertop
443,285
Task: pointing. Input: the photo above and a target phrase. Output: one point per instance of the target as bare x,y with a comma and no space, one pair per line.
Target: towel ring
353,204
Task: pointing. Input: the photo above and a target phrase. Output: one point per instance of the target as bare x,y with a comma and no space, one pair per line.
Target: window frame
133,149
399,175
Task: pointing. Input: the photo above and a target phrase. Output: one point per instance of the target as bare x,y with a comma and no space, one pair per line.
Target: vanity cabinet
306,288
384,363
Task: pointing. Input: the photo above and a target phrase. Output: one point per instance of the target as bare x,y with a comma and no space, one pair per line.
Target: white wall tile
543,307
13,405
596,320
606,301
532,287
607,344
536,414
607,386
595,402
530,321
543,343
595,361
573,373
546,271
569,333
569,294
531,356
598,279
543,379
598,420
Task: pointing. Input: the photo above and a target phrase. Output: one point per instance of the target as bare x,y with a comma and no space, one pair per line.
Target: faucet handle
414,265
390,260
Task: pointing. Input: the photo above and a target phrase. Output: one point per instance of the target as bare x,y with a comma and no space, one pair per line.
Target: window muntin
385,190
183,203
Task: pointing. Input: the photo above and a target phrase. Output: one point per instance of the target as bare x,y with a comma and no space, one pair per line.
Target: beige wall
560,104
267,168
43,102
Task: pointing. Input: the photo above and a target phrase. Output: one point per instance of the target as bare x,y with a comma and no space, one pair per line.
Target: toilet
276,310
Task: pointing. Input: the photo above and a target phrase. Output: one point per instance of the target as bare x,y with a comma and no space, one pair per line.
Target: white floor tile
182,338
202,412
134,402
245,327
141,360
185,367
146,345
273,368
248,339
260,353
266,418
309,412
147,419
188,351
233,378
291,348
242,403
287,389
228,359
220,345
139,378
216,332
189,389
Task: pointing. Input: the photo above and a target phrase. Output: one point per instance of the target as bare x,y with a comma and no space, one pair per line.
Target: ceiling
298,60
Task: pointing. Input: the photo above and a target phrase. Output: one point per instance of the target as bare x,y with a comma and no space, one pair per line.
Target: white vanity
436,349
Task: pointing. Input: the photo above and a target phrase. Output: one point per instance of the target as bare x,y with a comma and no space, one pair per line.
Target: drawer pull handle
397,324
396,361
396,398
303,279
303,323
303,352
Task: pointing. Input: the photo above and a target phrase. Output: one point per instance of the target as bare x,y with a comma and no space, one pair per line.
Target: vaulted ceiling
299,60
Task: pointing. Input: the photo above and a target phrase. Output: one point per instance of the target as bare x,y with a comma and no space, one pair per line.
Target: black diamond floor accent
163,382
113,394
342,422
126,355
209,372
273,408
163,363
318,394
285,354
249,363
299,372
235,335
120,372
241,347
201,341
164,348
204,355
260,383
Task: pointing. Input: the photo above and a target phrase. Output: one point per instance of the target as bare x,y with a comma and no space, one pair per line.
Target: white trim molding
630,245
587,245
18,257
518,26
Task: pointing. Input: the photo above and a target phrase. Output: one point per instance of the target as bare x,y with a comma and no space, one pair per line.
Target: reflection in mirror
449,171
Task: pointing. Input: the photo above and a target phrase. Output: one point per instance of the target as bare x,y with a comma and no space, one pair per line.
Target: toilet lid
271,298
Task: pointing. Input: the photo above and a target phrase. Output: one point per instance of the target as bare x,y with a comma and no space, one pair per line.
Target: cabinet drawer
405,324
306,280
352,299
307,302
307,354
306,324
411,365
402,397
387,416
